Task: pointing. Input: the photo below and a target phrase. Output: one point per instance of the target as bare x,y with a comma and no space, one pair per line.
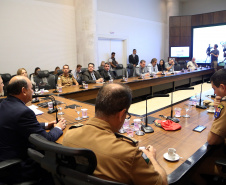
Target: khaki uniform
118,159
66,80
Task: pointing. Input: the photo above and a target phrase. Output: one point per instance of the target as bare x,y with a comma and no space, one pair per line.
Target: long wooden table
185,141
148,84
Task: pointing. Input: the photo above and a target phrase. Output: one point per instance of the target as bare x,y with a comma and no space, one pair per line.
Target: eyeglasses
129,116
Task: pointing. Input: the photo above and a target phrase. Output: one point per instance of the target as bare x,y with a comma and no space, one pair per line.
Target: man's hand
61,124
51,124
150,152
217,101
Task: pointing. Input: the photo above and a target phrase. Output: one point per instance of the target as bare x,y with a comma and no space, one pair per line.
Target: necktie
109,75
93,76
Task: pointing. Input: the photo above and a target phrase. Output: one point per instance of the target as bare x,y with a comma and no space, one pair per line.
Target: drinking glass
139,132
60,107
78,110
186,107
36,89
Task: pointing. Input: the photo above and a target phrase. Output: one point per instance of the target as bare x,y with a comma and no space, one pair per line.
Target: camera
208,50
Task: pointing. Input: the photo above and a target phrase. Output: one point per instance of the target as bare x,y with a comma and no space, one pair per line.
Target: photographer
214,57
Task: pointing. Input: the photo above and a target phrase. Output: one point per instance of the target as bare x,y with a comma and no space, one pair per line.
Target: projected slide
204,36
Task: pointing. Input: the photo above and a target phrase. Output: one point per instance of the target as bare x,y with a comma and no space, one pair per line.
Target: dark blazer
161,68
133,60
105,75
88,78
17,122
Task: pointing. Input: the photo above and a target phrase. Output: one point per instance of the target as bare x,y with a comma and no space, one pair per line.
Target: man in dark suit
91,76
17,123
107,74
133,58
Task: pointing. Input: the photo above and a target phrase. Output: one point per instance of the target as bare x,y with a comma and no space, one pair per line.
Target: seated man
217,134
107,73
91,76
141,69
66,79
192,64
112,61
77,74
153,67
17,123
170,65
117,159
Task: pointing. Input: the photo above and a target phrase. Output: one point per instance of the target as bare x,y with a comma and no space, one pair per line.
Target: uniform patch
218,111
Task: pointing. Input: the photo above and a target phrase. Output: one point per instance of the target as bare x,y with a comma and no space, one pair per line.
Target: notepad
34,108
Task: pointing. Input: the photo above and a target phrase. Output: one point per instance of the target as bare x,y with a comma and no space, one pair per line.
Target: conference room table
190,145
148,84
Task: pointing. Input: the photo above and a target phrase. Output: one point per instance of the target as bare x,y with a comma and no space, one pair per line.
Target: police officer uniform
66,80
118,158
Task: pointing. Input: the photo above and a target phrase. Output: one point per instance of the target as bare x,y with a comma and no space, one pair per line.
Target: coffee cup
211,109
84,113
171,153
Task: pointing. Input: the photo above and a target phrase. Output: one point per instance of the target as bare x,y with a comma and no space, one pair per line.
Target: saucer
213,111
166,156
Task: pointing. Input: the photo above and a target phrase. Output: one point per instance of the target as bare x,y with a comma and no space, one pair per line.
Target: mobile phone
199,128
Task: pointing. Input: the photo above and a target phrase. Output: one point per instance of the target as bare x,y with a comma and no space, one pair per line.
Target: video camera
208,50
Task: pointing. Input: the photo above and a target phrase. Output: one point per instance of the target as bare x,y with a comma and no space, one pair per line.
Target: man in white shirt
77,74
192,64
152,67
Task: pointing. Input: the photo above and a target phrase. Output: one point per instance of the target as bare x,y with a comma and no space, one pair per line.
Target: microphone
200,106
41,95
146,128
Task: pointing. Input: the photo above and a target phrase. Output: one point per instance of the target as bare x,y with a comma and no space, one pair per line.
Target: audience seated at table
22,72
192,64
152,67
107,74
170,65
161,65
92,76
217,134
34,74
66,79
102,64
77,73
118,157
142,69
16,124
56,70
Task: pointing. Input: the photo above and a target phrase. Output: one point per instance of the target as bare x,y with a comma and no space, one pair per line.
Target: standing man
119,159
112,61
17,123
192,64
133,58
92,76
142,69
217,134
107,73
77,74
214,57
66,79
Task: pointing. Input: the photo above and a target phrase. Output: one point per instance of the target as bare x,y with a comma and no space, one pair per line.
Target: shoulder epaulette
134,141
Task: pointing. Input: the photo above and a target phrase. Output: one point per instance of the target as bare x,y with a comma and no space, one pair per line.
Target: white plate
166,156
210,111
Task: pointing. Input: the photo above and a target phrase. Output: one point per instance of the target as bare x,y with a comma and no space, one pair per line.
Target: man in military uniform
66,79
217,134
118,157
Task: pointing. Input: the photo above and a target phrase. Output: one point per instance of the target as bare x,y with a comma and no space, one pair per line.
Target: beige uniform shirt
219,124
117,158
66,80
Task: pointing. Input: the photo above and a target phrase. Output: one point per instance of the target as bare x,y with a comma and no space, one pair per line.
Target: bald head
20,87
112,98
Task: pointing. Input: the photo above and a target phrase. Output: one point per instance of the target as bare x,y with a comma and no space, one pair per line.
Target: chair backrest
67,165
6,78
119,66
100,69
83,70
45,80
177,67
119,73
130,70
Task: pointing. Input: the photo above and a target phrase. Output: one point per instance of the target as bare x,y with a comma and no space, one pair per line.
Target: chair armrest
221,162
9,163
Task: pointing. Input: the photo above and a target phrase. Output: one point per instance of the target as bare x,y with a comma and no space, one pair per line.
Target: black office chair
6,78
183,64
45,80
177,67
119,73
83,70
100,69
130,70
68,166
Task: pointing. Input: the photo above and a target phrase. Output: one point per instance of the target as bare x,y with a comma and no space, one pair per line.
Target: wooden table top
134,83
185,141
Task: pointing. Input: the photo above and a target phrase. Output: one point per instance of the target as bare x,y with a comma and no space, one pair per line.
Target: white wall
141,23
192,7
36,33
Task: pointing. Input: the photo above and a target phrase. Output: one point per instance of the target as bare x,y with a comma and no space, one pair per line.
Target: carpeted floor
160,102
